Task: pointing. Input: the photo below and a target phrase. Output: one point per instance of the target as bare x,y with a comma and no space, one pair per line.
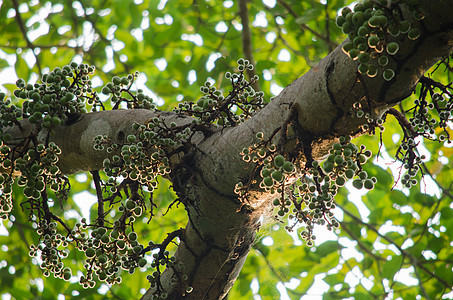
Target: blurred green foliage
392,243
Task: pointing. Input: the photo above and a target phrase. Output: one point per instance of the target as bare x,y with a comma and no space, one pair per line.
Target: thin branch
23,29
326,10
402,120
97,184
247,40
413,259
420,282
41,46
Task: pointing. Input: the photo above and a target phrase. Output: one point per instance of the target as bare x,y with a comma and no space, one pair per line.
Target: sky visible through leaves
85,199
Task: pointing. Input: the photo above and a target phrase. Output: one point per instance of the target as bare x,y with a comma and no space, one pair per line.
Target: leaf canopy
393,241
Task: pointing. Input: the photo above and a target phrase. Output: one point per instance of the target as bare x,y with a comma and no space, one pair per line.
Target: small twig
326,10
402,120
97,184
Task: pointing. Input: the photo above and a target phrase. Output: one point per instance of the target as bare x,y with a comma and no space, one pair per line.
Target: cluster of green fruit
407,153
274,172
142,156
424,122
370,26
359,109
345,162
445,111
313,196
10,114
240,103
49,250
109,252
274,167
37,170
163,258
62,94
313,201
120,91
6,181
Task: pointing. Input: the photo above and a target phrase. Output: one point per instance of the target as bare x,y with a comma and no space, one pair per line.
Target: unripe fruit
288,167
347,47
277,175
364,58
388,74
142,262
363,31
66,276
347,27
90,252
278,161
392,48
414,33
374,21
345,11
358,18
368,184
56,121
340,21
349,173
358,184
373,41
405,26
265,172
372,70
132,236
102,259
328,167
340,181
120,244
359,8
130,204
354,53
268,181
383,60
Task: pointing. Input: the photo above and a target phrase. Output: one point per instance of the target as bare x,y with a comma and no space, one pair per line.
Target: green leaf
392,266
328,247
367,262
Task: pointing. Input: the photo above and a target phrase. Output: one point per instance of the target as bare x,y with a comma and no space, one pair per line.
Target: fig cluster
226,110
312,196
372,27
120,91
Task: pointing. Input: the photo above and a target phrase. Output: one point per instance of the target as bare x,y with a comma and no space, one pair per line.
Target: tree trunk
221,229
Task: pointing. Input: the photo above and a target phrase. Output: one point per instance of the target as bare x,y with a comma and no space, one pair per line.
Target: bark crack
340,112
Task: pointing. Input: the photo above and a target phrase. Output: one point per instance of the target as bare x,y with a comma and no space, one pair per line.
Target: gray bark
221,230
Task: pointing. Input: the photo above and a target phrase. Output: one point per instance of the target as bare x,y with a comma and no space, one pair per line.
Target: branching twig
413,259
405,124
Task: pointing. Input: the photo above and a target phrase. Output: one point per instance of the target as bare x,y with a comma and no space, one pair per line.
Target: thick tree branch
221,230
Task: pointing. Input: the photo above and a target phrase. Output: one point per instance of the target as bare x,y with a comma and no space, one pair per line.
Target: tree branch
23,29
247,40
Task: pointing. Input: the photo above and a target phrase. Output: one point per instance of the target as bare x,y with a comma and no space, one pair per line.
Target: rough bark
221,230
